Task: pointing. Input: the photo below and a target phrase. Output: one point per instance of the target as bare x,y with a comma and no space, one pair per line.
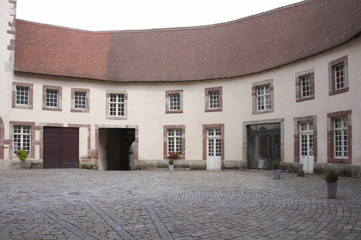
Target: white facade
146,109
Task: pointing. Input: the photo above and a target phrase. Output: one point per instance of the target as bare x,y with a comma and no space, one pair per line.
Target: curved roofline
236,48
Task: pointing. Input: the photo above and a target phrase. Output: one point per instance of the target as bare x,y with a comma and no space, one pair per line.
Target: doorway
264,145
61,147
214,148
306,145
115,146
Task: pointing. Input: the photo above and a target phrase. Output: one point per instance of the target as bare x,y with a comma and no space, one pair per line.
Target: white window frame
214,99
21,138
80,100
22,96
339,76
306,86
174,140
52,98
174,101
263,97
340,137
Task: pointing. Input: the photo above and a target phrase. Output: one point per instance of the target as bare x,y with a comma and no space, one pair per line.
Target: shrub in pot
276,166
331,178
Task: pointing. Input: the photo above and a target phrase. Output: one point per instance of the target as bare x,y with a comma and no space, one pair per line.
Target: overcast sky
140,14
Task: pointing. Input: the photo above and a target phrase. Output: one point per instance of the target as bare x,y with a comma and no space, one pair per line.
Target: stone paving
84,204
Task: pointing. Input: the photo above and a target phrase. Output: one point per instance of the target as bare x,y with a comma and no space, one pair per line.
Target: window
52,98
174,140
174,101
262,97
117,105
339,135
22,95
80,100
21,138
213,99
305,86
338,82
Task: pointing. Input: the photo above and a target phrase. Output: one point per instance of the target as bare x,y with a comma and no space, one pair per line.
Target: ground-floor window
21,138
339,137
174,140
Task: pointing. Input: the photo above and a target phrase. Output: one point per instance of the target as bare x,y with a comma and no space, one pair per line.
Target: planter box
331,190
171,167
276,174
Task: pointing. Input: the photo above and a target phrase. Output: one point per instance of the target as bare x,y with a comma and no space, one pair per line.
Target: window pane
21,138
22,95
339,75
116,104
213,99
51,98
80,100
174,101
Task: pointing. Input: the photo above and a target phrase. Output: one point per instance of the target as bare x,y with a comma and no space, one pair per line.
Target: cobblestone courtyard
85,204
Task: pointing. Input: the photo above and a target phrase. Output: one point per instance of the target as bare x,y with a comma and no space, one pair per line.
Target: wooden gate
61,147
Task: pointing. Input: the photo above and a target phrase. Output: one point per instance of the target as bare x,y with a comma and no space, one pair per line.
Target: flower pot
331,190
276,174
171,168
300,167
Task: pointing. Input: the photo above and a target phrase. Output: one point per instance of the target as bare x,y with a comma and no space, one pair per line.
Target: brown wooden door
61,147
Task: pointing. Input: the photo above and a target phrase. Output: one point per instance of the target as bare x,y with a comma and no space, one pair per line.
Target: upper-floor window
305,86
117,104
80,100
21,138
213,99
338,79
263,94
174,101
262,97
52,98
22,95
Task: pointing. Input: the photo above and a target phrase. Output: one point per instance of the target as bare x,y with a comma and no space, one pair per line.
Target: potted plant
276,166
172,156
22,155
331,178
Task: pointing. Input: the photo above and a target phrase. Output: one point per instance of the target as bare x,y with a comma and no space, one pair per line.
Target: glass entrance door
263,145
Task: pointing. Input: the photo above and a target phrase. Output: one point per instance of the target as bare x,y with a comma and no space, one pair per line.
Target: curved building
281,85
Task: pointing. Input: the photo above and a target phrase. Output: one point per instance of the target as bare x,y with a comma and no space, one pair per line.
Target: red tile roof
236,48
